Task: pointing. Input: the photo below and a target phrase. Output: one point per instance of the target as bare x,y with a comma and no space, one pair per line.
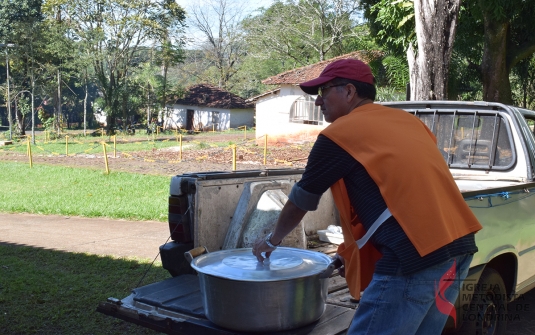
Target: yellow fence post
30,152
245,132
234,157
213,128
66,145
114,146
105,158
265,149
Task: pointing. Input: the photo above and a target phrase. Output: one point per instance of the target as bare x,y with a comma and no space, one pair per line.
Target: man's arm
327,163
289,218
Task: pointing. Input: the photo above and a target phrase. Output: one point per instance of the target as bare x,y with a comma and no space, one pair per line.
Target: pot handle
193,253
335,264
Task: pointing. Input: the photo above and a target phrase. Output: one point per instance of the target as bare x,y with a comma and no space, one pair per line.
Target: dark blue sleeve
327,163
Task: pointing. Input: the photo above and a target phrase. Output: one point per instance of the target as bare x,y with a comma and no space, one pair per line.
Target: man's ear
351,92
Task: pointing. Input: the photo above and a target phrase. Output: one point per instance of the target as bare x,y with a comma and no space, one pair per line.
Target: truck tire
487,312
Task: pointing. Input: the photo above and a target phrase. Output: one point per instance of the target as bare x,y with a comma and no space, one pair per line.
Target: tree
525,80
506,37
114,32
426,31
223,44
19,25
302,32
172,42
15,12
147,81
436,23
169,55
56,59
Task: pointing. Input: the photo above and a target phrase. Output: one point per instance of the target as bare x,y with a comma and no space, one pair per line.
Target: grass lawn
82,192
55,292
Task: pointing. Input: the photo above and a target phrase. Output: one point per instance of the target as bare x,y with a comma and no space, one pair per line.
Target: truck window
471,140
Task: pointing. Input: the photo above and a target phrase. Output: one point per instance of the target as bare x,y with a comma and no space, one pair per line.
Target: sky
249,5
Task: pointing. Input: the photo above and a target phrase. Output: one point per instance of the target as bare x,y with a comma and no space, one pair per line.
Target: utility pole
8,98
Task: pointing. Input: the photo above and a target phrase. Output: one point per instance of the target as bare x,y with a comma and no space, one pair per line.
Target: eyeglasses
321,89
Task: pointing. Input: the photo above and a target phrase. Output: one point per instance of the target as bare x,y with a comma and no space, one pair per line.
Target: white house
287,114
206,107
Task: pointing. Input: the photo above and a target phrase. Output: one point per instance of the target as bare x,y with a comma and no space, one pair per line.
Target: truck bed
174,306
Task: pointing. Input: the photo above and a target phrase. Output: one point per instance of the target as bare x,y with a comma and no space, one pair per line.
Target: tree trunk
494,66
124,108
19,119
58,118
413,73
164,96
149,116
436,22
85,110
164,88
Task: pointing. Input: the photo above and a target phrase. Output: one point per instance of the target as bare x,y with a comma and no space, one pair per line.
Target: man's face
331,99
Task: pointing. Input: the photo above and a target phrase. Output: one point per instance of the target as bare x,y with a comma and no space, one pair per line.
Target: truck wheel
487,312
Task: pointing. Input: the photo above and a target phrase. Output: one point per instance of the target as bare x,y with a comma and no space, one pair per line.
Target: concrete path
86,235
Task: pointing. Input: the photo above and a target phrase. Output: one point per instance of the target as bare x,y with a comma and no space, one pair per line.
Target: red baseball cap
353,69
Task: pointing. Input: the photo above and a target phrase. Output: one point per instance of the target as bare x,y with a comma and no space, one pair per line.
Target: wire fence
149,148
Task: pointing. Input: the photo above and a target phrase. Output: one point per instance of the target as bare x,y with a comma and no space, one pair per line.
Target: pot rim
241,265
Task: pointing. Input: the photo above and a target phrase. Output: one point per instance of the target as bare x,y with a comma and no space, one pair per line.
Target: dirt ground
167,161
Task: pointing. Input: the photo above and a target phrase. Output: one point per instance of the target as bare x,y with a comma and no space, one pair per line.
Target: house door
215,120
189,119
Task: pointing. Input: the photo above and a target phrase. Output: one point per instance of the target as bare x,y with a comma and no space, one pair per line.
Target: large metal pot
242,294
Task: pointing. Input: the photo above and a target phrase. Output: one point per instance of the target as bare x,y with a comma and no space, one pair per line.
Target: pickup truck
490,150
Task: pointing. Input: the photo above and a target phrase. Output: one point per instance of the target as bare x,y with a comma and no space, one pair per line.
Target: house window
305,111
215,117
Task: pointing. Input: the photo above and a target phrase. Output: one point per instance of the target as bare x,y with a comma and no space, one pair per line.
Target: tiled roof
205,95
256,97
309,72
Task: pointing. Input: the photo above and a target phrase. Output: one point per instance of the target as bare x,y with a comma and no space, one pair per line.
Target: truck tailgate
174,306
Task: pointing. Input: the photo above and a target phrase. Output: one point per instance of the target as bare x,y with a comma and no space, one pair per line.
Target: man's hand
289,218
261,246
342,269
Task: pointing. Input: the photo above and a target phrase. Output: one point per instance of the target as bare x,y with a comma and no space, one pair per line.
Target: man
395,195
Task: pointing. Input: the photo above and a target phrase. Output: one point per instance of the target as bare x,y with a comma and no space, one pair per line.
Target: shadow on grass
55,292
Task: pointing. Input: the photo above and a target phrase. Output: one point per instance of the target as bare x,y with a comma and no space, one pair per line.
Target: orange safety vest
400,154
